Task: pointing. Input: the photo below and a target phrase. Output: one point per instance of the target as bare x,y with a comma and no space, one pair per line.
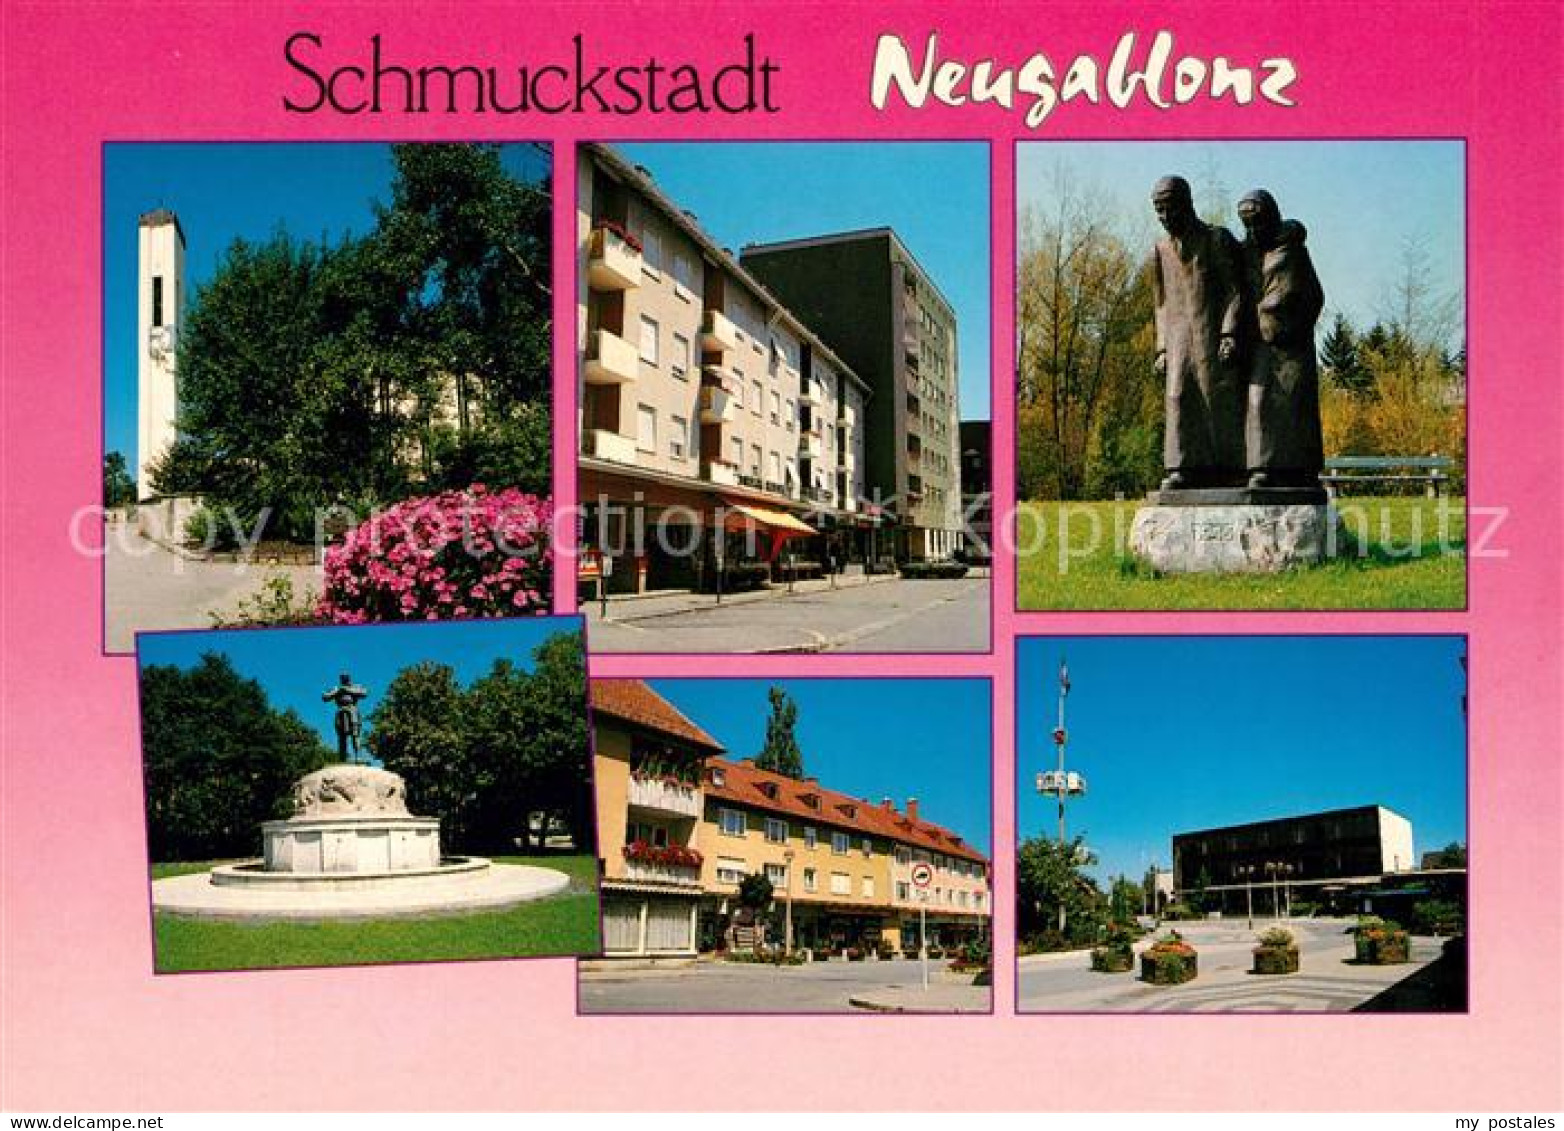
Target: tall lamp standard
787,921
1059,783
1247,872
1276,869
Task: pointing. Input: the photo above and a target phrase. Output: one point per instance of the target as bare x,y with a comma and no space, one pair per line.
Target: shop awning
779,521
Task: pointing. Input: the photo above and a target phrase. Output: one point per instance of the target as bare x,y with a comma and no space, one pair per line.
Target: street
877,615
147,588
816,987
1326,980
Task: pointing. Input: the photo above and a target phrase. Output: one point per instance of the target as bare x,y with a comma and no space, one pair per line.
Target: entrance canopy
742,515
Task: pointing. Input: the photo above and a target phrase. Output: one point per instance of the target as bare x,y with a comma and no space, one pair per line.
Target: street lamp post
1247,872
787,923
1059,783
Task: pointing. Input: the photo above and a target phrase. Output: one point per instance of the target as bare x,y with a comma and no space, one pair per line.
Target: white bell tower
160,300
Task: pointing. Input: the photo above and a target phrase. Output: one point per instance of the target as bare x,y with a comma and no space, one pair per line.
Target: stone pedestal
1235,530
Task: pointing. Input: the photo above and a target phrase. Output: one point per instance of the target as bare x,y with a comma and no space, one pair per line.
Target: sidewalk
942,996
626,608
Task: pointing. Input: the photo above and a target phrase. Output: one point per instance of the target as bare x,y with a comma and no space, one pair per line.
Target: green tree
781,754
411,358
219,759
1452,855
755,892
1339,357
488,758
417,730
119,489
1126,898
1049,876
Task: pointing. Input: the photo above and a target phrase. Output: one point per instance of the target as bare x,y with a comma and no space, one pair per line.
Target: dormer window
811,799
719,777
769,788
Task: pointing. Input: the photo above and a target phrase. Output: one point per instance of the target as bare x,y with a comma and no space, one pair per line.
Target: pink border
85,1027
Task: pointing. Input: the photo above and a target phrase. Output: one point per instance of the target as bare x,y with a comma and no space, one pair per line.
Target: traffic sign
922,875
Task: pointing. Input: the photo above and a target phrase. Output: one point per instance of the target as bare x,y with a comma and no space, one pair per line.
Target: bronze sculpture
1282,440
1197,282
346,695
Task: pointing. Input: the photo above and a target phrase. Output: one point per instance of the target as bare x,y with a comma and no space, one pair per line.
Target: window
651,834
811,836
777,874
731,821
680,362
679,437
646,434
729,870
757,398
903,854
868,847
651,249
810,879
649,331
754,460
776,831
868,887
841,883
903,891
737,447
776,468
839,844
157,300
792,414
776,407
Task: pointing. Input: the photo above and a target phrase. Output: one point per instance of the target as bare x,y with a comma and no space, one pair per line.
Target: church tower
159,302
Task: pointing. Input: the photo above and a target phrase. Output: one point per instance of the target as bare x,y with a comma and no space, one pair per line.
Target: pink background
86,1025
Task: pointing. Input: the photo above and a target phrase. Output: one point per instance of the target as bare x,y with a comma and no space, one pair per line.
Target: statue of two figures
1235,344
349,726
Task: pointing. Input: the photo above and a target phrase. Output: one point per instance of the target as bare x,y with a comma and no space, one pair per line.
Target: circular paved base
498,886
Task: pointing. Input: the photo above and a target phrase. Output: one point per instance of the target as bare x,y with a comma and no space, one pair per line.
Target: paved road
1326,981
818,987
147,588
880,616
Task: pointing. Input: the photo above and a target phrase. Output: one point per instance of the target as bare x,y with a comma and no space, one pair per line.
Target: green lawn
1408,553
564,924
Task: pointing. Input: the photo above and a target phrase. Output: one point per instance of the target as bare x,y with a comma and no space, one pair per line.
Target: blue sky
872,738
295,665
1360,200
1176,734
935,194
223,192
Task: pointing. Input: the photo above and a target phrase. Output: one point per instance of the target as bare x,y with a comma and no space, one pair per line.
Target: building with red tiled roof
680,826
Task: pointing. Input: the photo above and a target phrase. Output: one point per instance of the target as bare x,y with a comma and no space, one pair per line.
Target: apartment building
649,762
865,294
680,825
715,427
840,867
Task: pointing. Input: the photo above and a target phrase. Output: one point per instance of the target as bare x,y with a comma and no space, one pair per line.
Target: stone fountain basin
459,884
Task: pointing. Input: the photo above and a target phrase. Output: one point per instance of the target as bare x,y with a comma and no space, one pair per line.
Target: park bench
1433,471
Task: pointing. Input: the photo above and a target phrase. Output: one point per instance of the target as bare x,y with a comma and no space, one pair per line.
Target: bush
1169,961
927,571
1379,942
1176,912
1277,952
205,528
274,604
1278,937
447,557
1438,917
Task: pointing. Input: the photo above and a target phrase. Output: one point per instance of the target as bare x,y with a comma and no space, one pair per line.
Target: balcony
719,402
659,796
810,394
680,875
846,418
717,333
721,472
613,262
605,445
810,445
610,360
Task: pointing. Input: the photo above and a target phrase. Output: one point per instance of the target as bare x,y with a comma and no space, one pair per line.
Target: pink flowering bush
459,554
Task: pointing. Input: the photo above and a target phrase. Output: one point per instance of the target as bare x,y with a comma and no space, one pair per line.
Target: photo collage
649,553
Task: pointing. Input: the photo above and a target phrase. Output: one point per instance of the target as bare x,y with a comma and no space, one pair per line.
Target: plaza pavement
1326,980
710,986
149,588
874,614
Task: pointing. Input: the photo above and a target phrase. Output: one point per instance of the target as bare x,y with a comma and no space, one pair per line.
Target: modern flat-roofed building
1315,853
648,761
706,405
866,295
